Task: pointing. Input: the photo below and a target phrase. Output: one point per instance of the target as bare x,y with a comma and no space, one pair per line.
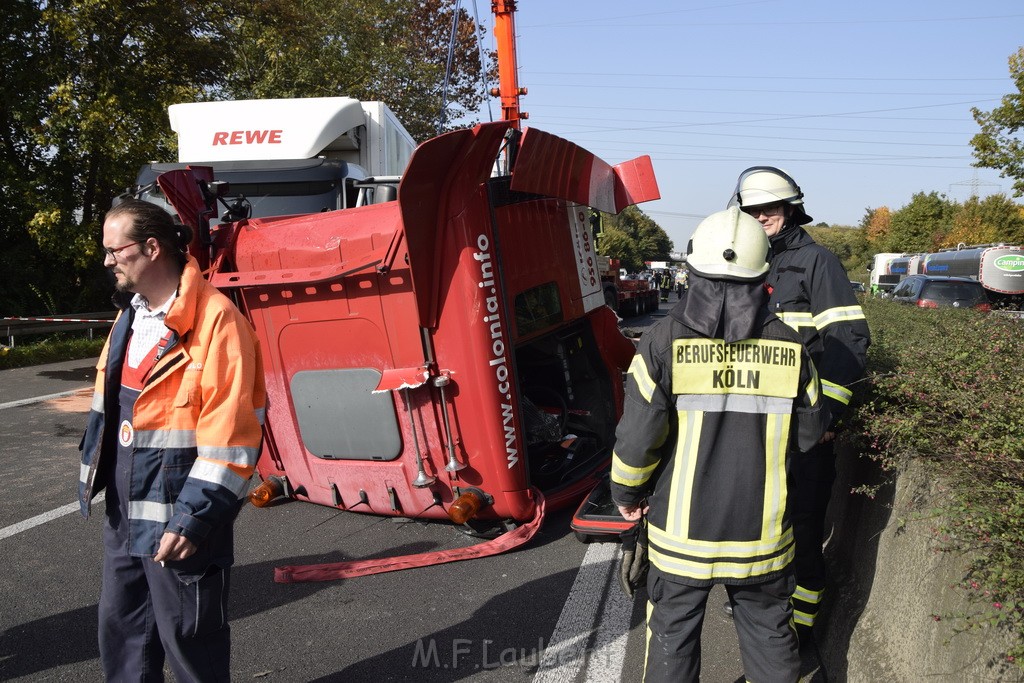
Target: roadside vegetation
50,350
944,389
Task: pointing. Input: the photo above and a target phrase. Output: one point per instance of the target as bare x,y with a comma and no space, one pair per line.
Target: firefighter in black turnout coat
718,396
811,292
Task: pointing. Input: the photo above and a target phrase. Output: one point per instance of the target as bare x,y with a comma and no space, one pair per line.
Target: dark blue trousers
761,615
813,474
147,615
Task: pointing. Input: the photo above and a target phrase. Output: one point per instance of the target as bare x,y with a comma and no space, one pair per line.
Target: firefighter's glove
634,562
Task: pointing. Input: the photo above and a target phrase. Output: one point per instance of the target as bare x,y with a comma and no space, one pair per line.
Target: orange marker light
465,507
265,493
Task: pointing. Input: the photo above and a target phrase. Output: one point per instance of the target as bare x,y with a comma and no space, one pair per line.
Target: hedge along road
551,612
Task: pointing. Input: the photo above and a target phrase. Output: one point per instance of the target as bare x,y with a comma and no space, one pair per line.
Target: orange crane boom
508,69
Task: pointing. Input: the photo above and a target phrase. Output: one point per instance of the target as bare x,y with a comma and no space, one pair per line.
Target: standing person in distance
664,284
680,282
810,291
719,395
173,436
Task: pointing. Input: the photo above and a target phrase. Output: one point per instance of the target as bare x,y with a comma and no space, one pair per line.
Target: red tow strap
353,568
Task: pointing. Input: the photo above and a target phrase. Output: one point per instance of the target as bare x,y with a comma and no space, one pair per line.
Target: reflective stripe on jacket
706,436
811,293
197,422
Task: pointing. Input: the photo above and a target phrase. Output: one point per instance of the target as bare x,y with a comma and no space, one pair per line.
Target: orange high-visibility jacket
197,422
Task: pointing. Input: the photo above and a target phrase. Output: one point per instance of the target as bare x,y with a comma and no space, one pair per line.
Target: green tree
395,51
995,218
999,143
1004,218
23,54
921,225
633,238
652,242
92,79
120,64
850,245
876,224
617,244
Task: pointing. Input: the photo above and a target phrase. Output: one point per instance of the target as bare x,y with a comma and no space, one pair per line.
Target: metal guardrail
1019,315
12,327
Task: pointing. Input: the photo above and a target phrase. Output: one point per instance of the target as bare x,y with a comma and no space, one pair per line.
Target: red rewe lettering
247,137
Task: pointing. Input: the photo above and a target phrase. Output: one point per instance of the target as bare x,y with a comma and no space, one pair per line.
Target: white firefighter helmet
761,185
729,245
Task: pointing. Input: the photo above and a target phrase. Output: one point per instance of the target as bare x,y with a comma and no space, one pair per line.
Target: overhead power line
720,77
661,88
617,23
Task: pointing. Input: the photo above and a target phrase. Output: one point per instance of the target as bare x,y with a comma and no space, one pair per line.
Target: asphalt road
549,611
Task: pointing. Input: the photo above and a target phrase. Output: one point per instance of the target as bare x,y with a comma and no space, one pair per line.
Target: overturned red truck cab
446,352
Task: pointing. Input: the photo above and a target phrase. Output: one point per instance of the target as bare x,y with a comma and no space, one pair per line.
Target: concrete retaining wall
886,582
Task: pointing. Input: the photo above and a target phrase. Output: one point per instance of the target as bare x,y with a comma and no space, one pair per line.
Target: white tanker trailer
999,268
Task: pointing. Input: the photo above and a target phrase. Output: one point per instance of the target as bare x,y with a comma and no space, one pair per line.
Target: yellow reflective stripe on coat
627,475
776,445
812,385
719,570
681,492
710,549
734,403
796,319
836,391
840,314
644,383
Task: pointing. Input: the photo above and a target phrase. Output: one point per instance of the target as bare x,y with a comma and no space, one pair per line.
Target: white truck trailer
289,156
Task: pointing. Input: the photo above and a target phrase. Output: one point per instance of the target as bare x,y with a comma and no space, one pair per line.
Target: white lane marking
45,517
609,656
40,399
566,654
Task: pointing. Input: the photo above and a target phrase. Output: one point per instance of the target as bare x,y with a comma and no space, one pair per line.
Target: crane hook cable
353,568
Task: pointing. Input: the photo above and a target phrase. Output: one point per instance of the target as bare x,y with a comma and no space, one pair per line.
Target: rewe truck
445,354
288,156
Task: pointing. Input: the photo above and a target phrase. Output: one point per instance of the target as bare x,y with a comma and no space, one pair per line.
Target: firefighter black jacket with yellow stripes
811,292
705,436
197,425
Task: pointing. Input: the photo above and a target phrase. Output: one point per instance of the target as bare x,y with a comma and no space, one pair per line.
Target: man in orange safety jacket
172,437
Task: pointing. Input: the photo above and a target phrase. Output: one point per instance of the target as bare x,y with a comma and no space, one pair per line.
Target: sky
863,103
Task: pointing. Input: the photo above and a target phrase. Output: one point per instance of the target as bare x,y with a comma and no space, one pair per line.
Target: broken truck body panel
453,339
